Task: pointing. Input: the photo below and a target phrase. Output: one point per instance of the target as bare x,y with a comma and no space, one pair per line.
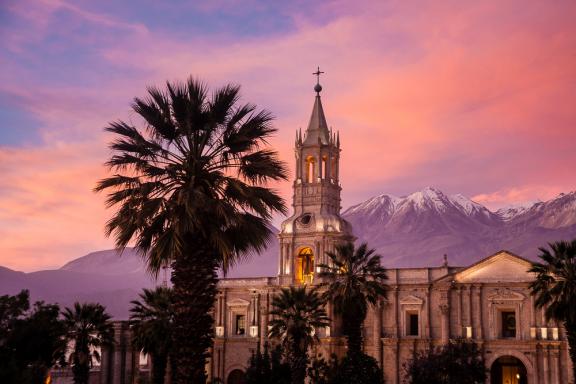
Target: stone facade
488,302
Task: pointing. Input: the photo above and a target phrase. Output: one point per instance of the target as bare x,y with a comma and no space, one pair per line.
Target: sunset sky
471,97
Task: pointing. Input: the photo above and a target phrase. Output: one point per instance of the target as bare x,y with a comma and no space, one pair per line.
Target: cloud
474,98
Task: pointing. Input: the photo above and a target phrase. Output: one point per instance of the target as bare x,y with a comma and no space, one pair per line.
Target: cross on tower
318,87
318,73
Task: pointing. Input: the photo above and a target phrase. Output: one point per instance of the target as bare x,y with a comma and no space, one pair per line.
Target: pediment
238,303
505,294
500,267
411,300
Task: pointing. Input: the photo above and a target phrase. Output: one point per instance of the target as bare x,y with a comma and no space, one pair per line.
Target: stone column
445,313
478,302
460,322
395,305
263,320
556,366
470,322
546,364
428,332
377,333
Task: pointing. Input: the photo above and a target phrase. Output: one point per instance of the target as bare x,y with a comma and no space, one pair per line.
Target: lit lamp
219,331
253,330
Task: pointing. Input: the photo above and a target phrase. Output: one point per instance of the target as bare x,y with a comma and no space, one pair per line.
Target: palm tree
297,313
354,279
555,288
191,192
151,318
89,327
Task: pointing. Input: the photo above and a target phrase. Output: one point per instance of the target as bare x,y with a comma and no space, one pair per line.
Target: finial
318,87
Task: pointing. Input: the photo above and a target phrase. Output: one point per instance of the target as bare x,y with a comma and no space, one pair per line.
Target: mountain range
416,230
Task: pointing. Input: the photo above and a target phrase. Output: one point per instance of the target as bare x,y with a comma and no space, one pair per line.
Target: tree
456,362
152,319
31,342
267,367
191,192
297,313
555,288
354,279
357,369
259,369
89,327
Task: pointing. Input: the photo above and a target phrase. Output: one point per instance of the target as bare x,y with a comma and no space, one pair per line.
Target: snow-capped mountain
413,230
418,229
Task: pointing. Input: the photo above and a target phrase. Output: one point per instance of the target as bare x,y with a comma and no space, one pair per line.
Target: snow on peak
466,204
428,198
375,203
514,210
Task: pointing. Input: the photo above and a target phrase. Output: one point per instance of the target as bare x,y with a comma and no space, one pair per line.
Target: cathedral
488,302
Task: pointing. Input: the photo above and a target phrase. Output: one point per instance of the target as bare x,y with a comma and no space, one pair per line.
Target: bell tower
315,226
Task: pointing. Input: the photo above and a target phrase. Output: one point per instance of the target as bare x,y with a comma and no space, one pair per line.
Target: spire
317,131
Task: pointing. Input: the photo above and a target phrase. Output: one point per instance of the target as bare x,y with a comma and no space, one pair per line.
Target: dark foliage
358,369
458,362
555,288
354,279
191,191
152,320
267,368
88,326
31,341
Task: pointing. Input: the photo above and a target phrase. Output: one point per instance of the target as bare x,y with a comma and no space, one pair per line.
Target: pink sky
475,98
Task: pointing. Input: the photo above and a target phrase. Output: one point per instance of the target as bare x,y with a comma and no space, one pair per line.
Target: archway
236,377
508,370
305,266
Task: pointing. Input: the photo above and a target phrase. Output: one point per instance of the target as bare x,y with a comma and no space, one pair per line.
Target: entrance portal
508,370
236,377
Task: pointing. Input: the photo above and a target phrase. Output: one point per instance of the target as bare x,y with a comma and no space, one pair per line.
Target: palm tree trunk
352,328
194,279
298,368
81,363
159,363
571,335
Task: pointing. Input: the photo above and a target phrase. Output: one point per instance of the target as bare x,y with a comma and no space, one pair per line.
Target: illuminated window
305,270
240,325
310,164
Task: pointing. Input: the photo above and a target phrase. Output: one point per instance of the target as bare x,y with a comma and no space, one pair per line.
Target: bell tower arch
315,226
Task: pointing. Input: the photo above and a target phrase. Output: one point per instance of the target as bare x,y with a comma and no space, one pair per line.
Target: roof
317,127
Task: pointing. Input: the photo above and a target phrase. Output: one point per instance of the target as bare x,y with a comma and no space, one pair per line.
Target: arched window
310,171
236,377
333,165
324,167
305,267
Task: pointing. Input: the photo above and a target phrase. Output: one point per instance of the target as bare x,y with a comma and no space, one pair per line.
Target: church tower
316,225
